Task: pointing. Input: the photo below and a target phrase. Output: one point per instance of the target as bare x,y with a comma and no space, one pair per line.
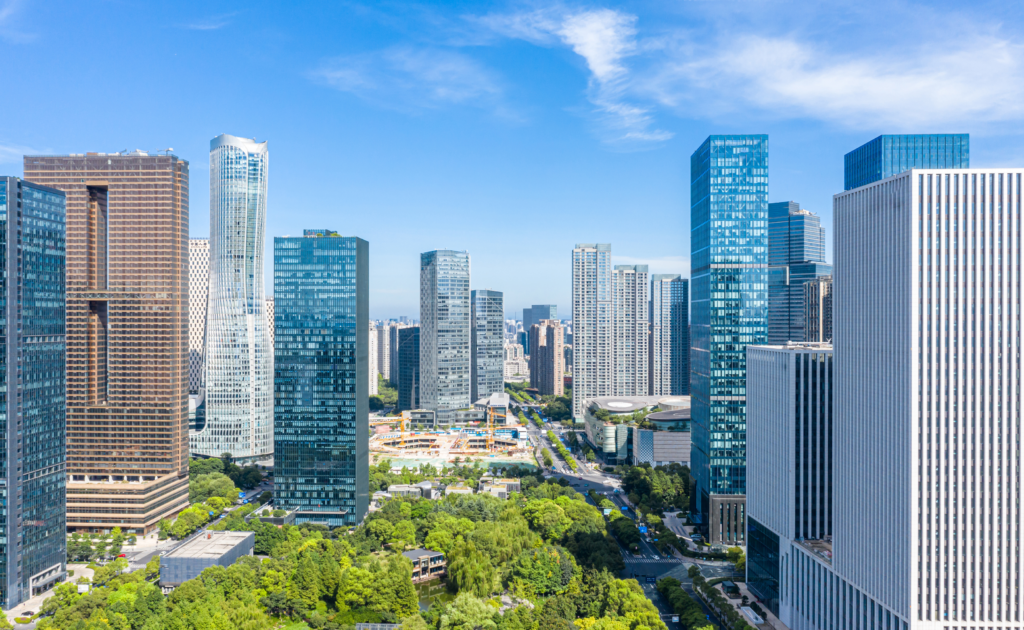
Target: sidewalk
35,603
771,621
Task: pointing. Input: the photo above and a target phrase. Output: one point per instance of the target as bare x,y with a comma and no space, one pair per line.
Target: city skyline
542,156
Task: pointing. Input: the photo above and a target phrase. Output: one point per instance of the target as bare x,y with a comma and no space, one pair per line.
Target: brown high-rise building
547,360
127,335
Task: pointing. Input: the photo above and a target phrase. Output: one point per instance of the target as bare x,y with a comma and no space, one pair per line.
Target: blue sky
509,129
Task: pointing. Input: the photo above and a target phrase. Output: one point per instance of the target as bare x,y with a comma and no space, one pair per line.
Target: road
649,564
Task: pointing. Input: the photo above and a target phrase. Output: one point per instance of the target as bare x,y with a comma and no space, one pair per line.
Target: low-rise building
622,431
426,564
429,489
501,488
405,490
212,549
458,488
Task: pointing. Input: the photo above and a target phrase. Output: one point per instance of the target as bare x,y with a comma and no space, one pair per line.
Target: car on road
656,557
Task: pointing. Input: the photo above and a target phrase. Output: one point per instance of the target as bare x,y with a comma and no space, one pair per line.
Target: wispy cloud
211,23
976,80
604,39
9,11
13,153
408,78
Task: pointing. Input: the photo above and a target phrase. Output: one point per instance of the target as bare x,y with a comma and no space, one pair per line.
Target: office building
935,543
729,251
889,155
239,354
371,366
393,346
669,345
321,407
631,330
486,342
409,368
547,358
593,312
384,350
188,560
789,462
796,254
198,291
126,290
818,309
445,337
33,548
533,315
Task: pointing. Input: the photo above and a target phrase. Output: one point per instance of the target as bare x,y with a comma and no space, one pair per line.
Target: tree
468,613
202,487
543,571
197,467
471,571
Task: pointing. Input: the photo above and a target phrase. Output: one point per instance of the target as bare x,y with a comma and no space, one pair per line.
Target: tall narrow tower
198,291
592,320
239,354
127,335
445,338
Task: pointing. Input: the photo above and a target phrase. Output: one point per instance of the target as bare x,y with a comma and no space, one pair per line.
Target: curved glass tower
239,354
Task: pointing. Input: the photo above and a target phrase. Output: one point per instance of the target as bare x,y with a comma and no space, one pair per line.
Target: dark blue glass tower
796,254
729,303
886,156
32,495
321,391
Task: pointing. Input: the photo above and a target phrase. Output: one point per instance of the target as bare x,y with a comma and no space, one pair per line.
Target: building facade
321,407
126,289
445,336
889,155
487,316
33,548
371,365
239,354
268,309
789,465
729,250
516,365
818,309
546,358
383,350
534,315
796,255
394,346
198,291
593,312
669,345
409,368
631,330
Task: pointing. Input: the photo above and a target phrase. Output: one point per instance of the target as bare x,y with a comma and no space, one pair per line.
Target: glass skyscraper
445,338
408,368
796,255
32,495
890,155
488,343
321,399
729,304
239,359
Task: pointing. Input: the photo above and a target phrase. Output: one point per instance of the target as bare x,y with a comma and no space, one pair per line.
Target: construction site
405,437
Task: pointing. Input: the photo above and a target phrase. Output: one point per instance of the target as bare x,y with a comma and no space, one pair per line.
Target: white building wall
372,365
268,308
384,350
631,338
927,339
198,290
592,313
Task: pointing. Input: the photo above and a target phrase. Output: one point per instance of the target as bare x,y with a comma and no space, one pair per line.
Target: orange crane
491,415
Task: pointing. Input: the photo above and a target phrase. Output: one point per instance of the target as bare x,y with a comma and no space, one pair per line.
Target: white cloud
604,38
9,10
978,80
13,153
212,23
412,78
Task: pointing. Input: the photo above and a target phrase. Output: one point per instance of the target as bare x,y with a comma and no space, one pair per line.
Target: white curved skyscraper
239,360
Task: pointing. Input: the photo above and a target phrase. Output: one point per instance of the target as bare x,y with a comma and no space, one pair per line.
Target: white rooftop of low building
211,545
798,345
624,404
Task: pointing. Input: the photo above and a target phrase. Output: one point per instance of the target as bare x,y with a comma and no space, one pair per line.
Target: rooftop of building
497,399
798,345
671,415
623,404
213,545
413,554
819,547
